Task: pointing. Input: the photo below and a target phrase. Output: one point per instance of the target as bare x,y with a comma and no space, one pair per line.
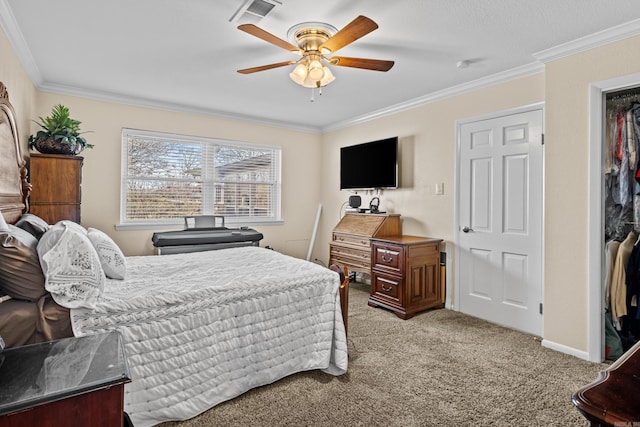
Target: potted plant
60,134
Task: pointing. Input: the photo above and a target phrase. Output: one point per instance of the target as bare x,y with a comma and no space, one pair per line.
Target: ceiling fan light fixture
316,70
299,74
313,40
312,74
328,76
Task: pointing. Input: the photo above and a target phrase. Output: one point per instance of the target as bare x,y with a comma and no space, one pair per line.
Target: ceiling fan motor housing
310,39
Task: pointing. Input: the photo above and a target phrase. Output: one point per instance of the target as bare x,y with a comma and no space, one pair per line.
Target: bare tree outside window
169,177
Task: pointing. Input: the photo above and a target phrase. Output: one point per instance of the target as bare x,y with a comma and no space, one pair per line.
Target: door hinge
540,308
542,139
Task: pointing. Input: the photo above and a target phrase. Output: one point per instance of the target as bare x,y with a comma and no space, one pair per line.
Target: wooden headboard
14,187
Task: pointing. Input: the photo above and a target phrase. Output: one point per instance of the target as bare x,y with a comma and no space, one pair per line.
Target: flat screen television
371,165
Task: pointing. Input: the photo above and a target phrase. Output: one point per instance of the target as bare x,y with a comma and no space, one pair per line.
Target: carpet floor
440,368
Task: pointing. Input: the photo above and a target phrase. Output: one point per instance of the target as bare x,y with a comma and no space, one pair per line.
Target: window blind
168,176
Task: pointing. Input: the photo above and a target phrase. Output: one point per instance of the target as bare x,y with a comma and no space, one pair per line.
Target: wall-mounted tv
372,165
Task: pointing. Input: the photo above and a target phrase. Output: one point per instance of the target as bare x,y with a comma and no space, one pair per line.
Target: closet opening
621,220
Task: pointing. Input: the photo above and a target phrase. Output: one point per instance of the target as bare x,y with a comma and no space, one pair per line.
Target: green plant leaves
61,127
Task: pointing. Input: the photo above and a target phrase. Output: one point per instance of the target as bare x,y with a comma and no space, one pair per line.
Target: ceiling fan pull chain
312,95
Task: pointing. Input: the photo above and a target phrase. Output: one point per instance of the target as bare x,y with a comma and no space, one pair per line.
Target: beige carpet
440,368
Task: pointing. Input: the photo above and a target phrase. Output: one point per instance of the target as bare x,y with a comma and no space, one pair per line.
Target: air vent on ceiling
252,11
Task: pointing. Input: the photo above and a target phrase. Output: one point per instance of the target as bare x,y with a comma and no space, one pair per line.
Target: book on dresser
351,239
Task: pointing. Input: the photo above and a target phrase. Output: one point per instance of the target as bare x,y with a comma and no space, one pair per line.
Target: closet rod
629,93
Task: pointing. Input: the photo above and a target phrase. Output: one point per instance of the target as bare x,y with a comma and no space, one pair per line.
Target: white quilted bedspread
205,327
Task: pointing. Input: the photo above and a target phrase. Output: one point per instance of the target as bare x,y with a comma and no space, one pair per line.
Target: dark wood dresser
351,240
56,180
612,399
405,274
68,382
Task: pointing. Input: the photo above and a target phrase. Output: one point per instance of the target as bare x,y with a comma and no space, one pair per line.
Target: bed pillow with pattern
71,267
20,273
111,257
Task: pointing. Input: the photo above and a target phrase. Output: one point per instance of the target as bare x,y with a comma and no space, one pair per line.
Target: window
166,177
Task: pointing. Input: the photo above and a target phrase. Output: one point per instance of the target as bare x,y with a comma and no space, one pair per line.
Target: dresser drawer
352,263
387,257
388,288
353,240
356,254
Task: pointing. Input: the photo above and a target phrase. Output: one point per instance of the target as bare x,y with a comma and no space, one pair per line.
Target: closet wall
622,220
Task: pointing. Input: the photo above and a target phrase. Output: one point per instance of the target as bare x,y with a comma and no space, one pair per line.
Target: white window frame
276,197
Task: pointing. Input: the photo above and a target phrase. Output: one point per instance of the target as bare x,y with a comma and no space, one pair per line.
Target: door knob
466,229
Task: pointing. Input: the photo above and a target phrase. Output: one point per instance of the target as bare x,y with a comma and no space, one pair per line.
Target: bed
198,328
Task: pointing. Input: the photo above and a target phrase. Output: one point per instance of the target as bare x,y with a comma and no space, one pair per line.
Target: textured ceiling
183,54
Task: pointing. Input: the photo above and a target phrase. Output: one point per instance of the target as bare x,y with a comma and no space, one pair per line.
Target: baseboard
565,349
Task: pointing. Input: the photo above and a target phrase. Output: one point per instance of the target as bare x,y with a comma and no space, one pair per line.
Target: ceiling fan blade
268,37
359,27
266,67
368,64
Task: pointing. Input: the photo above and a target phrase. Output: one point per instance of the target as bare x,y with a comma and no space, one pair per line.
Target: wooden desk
68,382
612,399
351,239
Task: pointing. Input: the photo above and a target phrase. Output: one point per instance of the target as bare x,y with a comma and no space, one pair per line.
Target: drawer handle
385,259
389,289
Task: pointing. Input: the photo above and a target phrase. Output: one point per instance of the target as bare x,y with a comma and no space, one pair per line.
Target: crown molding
20,46
10,27
601,38
168,106
494,79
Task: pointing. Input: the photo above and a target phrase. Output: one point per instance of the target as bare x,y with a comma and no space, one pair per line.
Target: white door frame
595,293
453,299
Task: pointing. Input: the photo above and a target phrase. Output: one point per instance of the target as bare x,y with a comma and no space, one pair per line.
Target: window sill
179,225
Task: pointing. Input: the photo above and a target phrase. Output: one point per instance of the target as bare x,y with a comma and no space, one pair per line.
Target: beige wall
429,134
428,149
101,184
427,157
22,92
566,189
101,170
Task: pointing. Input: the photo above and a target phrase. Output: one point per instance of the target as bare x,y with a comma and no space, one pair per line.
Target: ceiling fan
315,40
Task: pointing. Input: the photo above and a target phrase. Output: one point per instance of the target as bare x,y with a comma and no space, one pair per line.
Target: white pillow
111,257
55,231
71,267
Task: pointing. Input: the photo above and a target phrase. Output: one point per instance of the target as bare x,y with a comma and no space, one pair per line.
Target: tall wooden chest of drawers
405,274
56,181
350,243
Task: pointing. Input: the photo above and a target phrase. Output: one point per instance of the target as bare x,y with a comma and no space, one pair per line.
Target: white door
499,239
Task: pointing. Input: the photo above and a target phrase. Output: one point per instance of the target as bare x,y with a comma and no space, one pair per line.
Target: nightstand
405,274
68,382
